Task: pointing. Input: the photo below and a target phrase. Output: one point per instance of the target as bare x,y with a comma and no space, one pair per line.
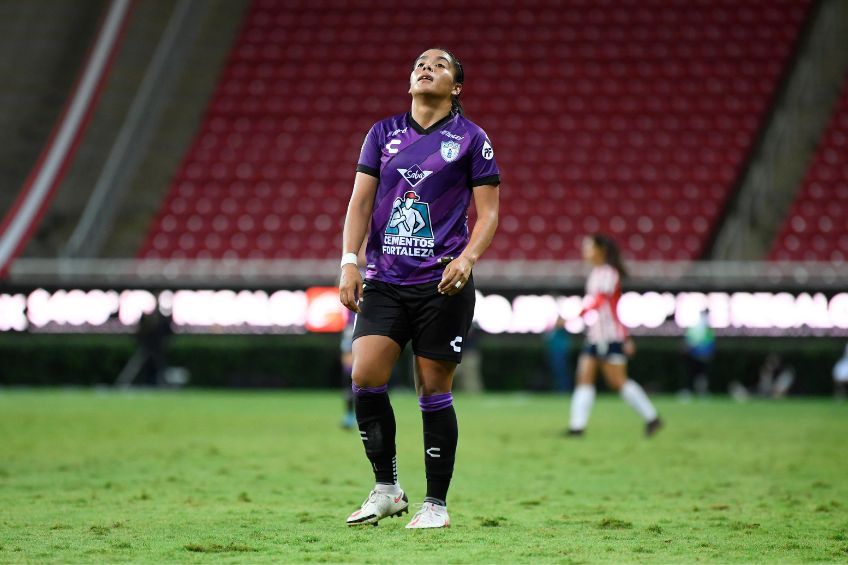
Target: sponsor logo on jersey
390,146
487,151
450,150
451,135
414,174
409,231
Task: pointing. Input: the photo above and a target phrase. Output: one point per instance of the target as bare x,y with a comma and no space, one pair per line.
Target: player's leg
583,397
441,435
615,373
441,327
381,330
373,358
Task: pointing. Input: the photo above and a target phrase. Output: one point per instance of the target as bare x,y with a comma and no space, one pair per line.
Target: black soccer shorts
612,352
437,324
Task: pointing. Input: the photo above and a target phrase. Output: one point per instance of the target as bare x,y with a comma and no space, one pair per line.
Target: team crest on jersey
450,150
409,231
414,174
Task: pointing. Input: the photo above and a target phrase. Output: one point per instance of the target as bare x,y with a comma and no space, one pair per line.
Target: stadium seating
816,228
631,117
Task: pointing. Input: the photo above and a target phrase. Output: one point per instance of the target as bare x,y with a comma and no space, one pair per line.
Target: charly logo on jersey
409,231
414,175
391,146
450,150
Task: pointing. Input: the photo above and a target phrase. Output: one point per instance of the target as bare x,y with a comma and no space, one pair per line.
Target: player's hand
455,277
350,287
628,347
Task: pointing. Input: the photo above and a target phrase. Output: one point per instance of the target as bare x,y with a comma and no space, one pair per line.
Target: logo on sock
434,452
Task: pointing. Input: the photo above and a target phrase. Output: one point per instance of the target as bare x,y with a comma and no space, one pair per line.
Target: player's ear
457,89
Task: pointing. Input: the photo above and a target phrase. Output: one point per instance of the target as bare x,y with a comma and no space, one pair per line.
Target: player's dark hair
612,254
458,78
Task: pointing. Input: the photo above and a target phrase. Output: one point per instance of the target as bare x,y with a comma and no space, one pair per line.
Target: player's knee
585,378
365,381
430,388
616,383
367,376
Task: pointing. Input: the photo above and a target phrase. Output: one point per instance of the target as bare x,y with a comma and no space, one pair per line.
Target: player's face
591,252
433,75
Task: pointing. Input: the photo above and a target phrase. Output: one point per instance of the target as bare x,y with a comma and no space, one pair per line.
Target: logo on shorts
456,344
414,174
450,150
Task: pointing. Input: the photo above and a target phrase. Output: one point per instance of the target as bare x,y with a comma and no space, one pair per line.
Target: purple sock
435,402
363,390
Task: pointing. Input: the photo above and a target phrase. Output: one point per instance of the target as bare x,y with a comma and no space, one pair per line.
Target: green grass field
203,477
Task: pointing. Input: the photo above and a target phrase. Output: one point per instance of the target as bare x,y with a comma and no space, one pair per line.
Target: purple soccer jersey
421,206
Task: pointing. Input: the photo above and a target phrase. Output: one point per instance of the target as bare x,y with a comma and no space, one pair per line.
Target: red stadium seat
632,117
816,229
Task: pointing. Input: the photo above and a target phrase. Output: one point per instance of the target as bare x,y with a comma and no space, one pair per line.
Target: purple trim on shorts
362,391
435,402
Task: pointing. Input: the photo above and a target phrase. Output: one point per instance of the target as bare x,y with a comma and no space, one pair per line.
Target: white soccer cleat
377,506
430,516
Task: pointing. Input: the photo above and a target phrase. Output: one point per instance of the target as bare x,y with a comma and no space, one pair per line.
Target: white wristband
349,259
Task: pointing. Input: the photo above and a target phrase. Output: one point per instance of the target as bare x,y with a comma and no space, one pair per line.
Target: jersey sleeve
369,156
484,168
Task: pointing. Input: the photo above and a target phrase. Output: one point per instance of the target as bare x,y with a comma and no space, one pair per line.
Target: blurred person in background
776,377
607,345
349,418
150,359
700,348
558,349
419,285
774,380
469,375
840,376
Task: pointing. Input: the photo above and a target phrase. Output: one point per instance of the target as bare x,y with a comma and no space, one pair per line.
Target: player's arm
606,285
487,202
595,301
359,211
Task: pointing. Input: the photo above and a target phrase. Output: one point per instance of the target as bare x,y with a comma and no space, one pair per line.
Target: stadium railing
644,275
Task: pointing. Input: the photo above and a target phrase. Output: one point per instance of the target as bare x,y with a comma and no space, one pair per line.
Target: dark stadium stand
632,117
816,228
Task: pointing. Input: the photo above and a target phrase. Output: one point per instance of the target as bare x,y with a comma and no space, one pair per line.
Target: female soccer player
416,175
607,344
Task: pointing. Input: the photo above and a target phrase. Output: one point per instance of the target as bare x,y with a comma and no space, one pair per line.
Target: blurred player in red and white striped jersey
607,344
